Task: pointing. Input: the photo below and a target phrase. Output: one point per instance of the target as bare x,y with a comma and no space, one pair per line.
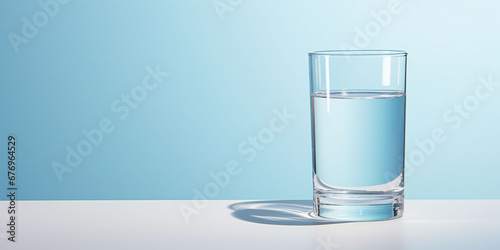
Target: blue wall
188,92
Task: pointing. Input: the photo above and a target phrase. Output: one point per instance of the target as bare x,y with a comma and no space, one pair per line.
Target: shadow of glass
279,212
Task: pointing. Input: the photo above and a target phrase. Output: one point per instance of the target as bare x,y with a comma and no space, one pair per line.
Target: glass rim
385,52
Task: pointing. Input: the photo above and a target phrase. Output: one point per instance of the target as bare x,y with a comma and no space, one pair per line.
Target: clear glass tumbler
358,133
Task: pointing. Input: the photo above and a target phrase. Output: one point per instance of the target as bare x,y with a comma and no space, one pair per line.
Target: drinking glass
358,133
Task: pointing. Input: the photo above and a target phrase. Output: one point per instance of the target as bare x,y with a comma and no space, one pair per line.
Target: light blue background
226,78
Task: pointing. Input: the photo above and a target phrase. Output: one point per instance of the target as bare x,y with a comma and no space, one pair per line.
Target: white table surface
426,224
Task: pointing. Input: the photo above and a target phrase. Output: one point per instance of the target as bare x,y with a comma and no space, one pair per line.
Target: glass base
359,206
